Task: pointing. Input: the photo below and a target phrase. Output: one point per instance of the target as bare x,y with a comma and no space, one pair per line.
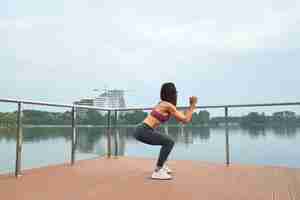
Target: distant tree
8,119
203,117
284,118
253,119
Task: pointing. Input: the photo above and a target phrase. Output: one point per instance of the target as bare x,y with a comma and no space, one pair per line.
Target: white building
84,102
110,99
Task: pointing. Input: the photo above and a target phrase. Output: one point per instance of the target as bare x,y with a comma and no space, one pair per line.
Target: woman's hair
168,93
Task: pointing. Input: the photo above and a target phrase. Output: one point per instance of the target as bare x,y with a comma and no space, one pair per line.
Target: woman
146,133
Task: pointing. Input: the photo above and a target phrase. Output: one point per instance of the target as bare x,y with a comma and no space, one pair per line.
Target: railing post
108,134
74,138
227,137
19,142
115,133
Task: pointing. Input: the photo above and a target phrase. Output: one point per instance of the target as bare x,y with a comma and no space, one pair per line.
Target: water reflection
280,131
255,133
87,138
285,132
183,135
36,134
93,141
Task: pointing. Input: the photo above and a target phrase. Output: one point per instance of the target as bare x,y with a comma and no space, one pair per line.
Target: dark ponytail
168,93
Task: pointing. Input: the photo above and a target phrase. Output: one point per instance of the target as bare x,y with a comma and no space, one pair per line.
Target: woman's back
161,111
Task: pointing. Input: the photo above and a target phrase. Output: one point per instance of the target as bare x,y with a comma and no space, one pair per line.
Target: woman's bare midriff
151,121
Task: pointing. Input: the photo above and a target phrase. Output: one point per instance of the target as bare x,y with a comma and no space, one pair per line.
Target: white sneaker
167,169
161,175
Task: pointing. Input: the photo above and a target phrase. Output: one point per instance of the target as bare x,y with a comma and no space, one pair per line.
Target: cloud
81,44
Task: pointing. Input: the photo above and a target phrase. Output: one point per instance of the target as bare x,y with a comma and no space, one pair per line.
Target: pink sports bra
162,118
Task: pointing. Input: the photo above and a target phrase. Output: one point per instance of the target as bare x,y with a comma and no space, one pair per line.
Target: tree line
92,117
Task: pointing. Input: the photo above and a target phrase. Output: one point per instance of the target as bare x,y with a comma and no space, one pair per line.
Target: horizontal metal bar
52,104
133,109
145,108
218,106
262,105
9,100
93,108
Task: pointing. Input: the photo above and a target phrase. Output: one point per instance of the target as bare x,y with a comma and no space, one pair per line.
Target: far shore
120,126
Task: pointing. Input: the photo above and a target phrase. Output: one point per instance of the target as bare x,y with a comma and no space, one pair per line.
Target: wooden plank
129,178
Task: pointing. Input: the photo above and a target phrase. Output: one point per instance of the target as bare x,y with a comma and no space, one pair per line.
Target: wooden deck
128,178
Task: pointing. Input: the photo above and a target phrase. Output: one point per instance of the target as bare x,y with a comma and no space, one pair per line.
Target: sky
223,52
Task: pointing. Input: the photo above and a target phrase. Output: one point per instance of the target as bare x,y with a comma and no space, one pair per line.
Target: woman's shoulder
167,105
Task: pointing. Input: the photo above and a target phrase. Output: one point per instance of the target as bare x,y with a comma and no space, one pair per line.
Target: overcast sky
224,52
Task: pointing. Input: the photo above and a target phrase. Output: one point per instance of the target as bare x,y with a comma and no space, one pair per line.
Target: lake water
50,146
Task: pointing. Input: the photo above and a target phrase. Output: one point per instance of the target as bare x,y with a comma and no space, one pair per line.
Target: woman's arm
185,117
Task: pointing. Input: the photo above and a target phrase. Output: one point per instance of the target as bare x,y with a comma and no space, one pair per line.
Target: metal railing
74,108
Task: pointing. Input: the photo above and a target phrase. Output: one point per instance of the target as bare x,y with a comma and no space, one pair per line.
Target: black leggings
148,135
